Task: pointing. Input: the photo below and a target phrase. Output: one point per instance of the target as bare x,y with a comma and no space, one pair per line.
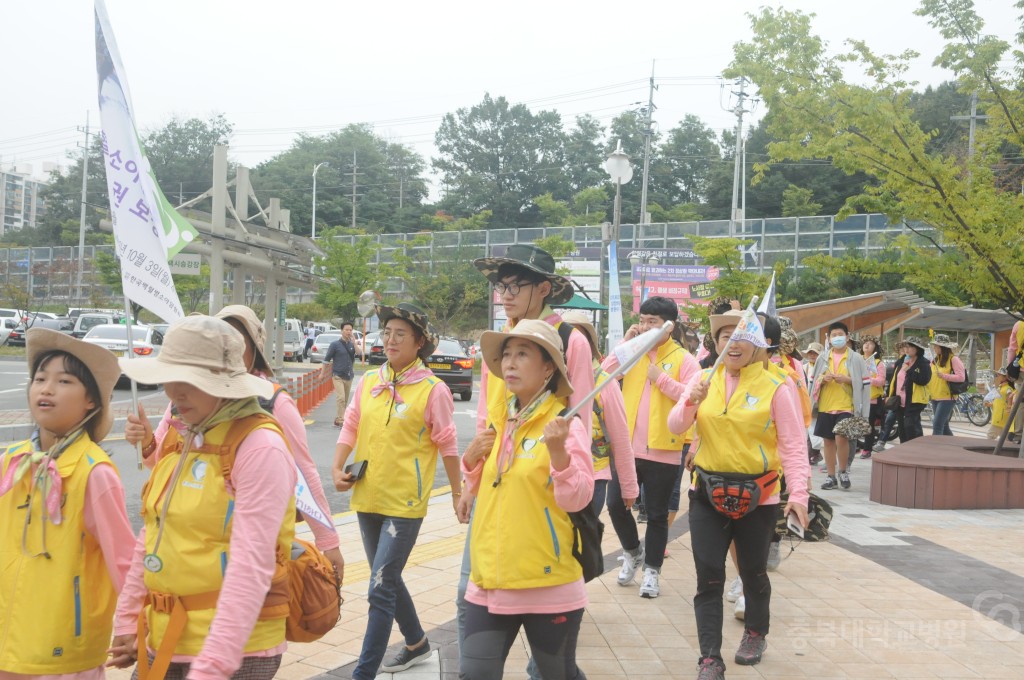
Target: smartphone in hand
793,524
357,470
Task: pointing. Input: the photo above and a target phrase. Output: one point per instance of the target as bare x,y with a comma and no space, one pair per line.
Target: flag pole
721,355
135,390
646,347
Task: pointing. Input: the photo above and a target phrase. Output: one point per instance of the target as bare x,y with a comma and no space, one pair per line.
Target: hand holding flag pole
628,354
748,318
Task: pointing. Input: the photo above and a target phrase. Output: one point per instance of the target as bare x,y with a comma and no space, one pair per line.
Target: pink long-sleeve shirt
263,480
437,415
106,518
672,389
287,415
789,427
578,365
573,488
618,437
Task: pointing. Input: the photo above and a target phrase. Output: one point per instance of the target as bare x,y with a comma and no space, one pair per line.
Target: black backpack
956,388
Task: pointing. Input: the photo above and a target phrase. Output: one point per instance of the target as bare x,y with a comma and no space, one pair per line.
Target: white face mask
839,341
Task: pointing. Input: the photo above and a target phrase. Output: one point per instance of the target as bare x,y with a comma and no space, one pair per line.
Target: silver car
319,349
146,341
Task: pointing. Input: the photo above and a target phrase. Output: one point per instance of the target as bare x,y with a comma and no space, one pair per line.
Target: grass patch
8,351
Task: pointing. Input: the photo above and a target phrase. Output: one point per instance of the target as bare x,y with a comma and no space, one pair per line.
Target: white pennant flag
767,305
306,504
143,223
614,297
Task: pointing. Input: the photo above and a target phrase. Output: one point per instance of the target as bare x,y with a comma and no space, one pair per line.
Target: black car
450,363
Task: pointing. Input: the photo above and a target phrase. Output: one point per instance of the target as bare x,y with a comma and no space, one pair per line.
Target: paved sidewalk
897,593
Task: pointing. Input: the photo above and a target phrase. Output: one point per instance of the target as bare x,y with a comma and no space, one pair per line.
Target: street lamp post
619,171
313,230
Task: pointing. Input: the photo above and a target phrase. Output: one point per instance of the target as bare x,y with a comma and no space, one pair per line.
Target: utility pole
81,215
354,172
973,118
736,177
648,133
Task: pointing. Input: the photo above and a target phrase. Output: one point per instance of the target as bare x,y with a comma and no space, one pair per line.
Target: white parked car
146,341
320,345
7,324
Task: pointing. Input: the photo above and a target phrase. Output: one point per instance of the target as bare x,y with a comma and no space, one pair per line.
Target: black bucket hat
531,258
415,316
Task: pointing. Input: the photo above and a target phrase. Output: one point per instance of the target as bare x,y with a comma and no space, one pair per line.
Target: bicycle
967,406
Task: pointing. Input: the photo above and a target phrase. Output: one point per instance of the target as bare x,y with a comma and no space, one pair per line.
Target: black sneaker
752,646
830,483
407,657
710,669
844,479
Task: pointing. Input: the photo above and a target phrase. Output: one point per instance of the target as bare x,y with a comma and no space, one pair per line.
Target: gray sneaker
751,648
407,657
830,483
710,669
844,479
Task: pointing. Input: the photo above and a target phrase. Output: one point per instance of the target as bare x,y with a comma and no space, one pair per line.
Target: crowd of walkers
734,420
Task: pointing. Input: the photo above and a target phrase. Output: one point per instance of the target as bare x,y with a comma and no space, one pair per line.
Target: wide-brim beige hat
100,361
204,352
580,320
724,320
252,325
534,330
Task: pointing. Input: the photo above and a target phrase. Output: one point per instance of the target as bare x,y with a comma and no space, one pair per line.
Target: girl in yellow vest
650,389
400,417
537,469
946,368
139,431
748,431
871,349
204,595
65,539
1000,401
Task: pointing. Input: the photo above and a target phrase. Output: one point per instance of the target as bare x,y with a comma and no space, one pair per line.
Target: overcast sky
276,68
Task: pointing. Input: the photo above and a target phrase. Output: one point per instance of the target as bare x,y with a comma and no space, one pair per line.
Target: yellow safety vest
876,390
669,357
739,436
197,535
395,441
520,537
56,615
1000,407
834,396
938,388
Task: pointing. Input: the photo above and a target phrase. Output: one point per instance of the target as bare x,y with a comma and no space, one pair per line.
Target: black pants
710,535
875,418
657,480
489,637
909,419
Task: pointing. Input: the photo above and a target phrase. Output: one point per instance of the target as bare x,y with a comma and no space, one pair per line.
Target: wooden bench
946,473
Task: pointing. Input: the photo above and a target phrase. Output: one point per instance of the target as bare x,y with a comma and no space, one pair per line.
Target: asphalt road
321,435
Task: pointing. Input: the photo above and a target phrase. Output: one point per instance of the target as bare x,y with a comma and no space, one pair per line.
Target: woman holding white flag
748,432
281,405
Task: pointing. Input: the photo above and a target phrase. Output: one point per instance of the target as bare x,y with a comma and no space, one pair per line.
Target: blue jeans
600,494
942,411
387,542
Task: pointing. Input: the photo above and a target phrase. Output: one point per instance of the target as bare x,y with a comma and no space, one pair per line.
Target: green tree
308,311
497,156
553,213
556,246
815,113
689,152
733,281
347,269
592,204
585,154
390,187
797,202
193,289
181,154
